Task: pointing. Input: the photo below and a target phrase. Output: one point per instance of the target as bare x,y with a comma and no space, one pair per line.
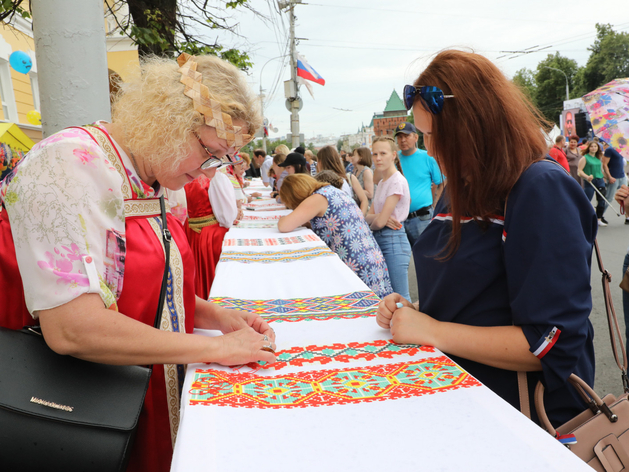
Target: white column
71,62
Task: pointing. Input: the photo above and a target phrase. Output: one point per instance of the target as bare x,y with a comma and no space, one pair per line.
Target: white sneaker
601,222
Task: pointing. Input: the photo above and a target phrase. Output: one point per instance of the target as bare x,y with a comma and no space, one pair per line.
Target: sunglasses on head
432,97
213,161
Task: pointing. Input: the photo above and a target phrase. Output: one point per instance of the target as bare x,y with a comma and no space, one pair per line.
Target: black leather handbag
60,413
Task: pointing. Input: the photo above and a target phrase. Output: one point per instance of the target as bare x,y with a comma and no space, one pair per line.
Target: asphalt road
613,241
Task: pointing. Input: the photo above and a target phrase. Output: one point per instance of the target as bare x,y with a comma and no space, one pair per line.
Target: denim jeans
589,192
397,253
416,226
612,188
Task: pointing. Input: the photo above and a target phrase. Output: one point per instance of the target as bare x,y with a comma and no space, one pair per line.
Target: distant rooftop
395,103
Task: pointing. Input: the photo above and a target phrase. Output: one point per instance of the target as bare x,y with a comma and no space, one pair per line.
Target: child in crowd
361,158
277,174
246,165
337,220
239,172
312,163
295,163
328,159
388,211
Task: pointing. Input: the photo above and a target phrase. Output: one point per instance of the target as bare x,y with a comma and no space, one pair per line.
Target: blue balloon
21,62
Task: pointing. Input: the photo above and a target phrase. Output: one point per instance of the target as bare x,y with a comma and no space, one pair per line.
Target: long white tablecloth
342,396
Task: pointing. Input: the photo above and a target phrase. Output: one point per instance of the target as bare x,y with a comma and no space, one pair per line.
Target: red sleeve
560,157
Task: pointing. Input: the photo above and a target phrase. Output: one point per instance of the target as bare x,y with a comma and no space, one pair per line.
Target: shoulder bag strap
166,237
615,334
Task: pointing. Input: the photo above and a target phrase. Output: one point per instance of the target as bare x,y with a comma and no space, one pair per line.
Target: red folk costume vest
143,259
205,235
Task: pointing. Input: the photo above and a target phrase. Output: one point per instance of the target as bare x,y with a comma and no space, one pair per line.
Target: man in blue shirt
424,180
614,168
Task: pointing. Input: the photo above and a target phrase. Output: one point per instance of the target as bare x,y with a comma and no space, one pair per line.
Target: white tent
551,135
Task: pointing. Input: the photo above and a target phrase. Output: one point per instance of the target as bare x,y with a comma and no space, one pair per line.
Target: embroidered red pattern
329,387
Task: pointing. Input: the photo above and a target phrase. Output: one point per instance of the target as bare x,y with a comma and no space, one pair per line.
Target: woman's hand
228,321
239,216
621,195
409,326
393,223
244,346
388,306
256,194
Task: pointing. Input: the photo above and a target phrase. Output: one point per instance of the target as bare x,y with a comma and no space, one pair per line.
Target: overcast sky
366,48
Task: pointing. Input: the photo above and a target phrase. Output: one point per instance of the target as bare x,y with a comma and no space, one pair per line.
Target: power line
441,14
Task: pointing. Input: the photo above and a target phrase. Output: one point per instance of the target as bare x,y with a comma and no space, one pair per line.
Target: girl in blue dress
500,291
338,221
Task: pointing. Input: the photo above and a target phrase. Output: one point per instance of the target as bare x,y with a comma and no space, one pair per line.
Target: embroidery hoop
208,107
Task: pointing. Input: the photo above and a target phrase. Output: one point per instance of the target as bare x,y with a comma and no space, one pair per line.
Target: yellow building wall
125,63
21,82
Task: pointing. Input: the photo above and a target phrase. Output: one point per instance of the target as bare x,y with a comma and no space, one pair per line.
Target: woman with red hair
499,290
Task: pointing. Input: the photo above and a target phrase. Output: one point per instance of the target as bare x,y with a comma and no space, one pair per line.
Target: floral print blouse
344,229
65,203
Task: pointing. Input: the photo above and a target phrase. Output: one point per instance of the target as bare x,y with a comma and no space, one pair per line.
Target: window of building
35,91
9,109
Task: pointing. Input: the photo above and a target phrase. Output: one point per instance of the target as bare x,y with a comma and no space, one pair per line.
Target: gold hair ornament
209,108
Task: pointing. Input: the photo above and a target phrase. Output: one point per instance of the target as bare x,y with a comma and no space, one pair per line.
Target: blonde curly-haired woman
84,240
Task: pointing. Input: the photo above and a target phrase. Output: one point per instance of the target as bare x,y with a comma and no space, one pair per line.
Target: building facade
394,113
19,93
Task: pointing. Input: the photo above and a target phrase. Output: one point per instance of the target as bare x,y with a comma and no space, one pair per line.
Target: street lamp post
564,74
262,98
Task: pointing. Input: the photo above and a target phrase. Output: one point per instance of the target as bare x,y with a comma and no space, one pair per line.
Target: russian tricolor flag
305,71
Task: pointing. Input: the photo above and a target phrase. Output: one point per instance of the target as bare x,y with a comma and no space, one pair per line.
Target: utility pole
265,120
293,102
294,115
564,74
71,62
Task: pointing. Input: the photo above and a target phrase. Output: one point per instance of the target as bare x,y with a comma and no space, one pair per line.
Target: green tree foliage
609,60
168,27
550,84
9,8
525,80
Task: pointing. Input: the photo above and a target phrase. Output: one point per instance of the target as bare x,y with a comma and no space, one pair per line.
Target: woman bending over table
80,230
337,220
499,293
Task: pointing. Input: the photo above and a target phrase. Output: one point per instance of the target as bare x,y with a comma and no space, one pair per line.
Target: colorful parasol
608,107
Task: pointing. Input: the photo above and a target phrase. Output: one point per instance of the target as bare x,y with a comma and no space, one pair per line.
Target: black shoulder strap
166,237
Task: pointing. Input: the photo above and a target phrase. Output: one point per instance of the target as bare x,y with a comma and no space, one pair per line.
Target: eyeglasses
213,161
432,97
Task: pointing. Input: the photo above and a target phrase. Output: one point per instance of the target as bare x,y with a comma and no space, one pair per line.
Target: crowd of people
598,167
497,290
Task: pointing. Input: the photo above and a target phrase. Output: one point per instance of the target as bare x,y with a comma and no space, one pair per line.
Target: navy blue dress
531,269
344,229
